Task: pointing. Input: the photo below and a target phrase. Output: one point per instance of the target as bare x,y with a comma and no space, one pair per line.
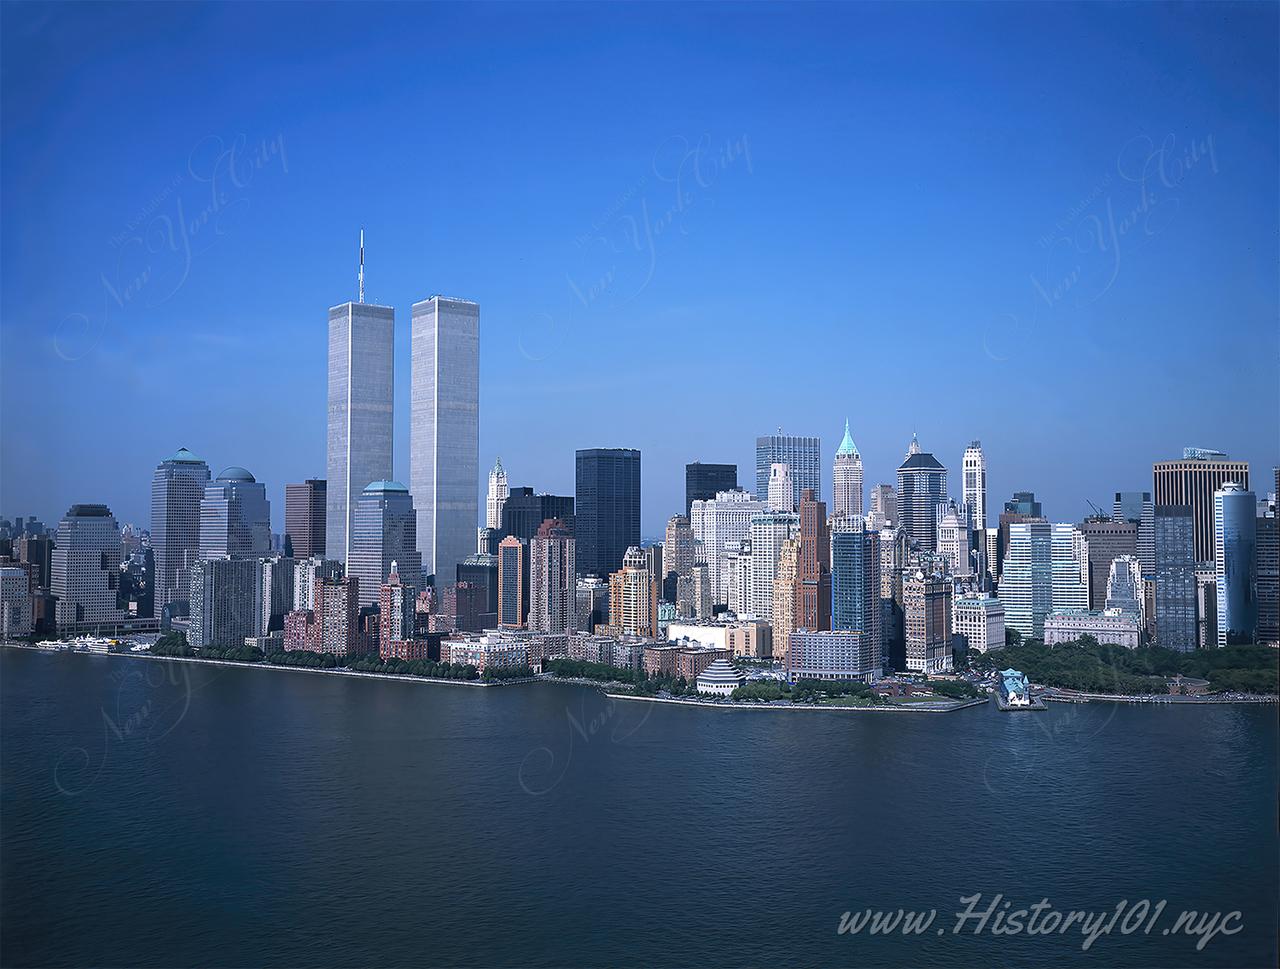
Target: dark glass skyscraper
922,486
607,519
703,481
1235,526
524,512
1175,574
855,583
304,518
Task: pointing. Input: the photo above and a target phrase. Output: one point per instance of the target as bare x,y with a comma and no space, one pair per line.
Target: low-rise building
1013,688
833,655
691,661
721,678
405,649
489,650
1107,627
742,637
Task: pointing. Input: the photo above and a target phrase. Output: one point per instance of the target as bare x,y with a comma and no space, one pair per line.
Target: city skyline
245,309
548,429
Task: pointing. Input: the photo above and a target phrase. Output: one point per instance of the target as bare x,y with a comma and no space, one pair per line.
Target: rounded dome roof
235,473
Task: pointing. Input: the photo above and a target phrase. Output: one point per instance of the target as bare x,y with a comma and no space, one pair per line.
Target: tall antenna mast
360,274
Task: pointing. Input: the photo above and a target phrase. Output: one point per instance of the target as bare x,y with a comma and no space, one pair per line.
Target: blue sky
1050,227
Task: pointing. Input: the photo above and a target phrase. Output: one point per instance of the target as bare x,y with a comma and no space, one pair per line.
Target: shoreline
819,708
1170,700
606,687
271,666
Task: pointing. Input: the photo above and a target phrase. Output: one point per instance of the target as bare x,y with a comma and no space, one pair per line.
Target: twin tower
444,423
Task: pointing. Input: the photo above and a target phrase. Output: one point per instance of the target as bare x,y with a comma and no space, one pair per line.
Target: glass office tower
1235,510
360,413
444,432
606,508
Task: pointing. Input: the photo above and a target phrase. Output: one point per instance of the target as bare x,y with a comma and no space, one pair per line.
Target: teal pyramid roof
847,446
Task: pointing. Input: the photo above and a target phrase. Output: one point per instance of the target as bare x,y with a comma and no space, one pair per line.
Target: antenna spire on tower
360,273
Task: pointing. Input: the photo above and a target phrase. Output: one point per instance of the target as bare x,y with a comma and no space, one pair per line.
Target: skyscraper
607,508
926,609
1137,507
1026,587
922,486
15,602
552,579
479,574
720,525
735,572
444,431
523,512
1268,544
704,481
304,518
1108,539
1124,588
781,496
1070,586
633,597
784,597
497,495
86,569
768,532
235,517
513,583
954,537
274,593
397,616
224,610
384,529
1175,578
974,492
177,488
677,548
884,507
813,565
307,574
1193,481
855,584
360,412
1235,510
801,455
846,477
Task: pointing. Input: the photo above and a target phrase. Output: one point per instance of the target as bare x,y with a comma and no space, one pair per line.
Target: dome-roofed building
721,678
384,528
235,516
